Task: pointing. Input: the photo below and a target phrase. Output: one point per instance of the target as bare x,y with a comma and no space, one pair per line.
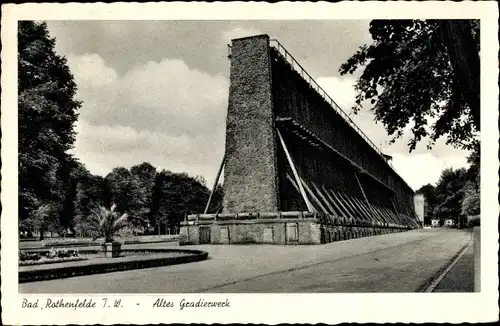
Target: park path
400,262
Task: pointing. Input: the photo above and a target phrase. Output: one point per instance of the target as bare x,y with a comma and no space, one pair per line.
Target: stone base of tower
282,228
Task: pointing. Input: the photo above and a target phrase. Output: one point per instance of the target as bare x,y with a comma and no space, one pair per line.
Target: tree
146,174
421,72
201,179
449,194
175,196
474,171
47,113
123,188
89,196
471,204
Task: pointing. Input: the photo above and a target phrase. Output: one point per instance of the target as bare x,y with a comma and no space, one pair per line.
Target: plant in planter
107,223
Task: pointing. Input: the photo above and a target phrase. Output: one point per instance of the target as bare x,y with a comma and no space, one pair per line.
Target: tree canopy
47,113
421,73
450,193
456,194
176,195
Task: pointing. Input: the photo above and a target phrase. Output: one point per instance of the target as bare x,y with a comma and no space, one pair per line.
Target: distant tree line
54,187
162,198
456,194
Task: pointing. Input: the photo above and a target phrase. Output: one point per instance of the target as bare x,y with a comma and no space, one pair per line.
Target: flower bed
170,257
48,257
44,260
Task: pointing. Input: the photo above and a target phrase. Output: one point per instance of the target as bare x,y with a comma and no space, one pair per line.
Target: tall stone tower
250,172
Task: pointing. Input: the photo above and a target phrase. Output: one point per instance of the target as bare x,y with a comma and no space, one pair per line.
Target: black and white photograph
166,158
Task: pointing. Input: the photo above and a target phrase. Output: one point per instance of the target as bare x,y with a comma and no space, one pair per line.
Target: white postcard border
260,308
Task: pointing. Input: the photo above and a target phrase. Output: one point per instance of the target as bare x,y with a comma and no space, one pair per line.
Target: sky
157,91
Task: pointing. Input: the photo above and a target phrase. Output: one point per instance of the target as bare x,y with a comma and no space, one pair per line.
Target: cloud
101,148
421,169
239,32
165,113
341,90
90,70
165,95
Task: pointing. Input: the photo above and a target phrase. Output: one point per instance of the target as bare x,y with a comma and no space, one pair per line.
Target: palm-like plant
106,223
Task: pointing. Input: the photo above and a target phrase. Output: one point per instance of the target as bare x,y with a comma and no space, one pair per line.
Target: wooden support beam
215,183
397,214
358,203
316,200
362,205
328,205
408,213
343,204
340,211
387,212
350,205
394,205
383,217
404,218
361,187
404,207
295,125
298,190
393,215
378,214
295,174
396,217
412,219
412,212
400,217
360,210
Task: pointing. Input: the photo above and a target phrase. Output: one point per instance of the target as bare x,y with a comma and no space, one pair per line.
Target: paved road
399,262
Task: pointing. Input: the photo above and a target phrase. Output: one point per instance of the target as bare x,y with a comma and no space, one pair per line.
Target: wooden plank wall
294,98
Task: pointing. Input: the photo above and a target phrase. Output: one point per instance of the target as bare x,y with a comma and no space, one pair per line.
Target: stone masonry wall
280,232
250,172
304,228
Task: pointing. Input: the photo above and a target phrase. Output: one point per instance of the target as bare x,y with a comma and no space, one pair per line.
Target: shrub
52,253
24,256
474,220
107,223
63,253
